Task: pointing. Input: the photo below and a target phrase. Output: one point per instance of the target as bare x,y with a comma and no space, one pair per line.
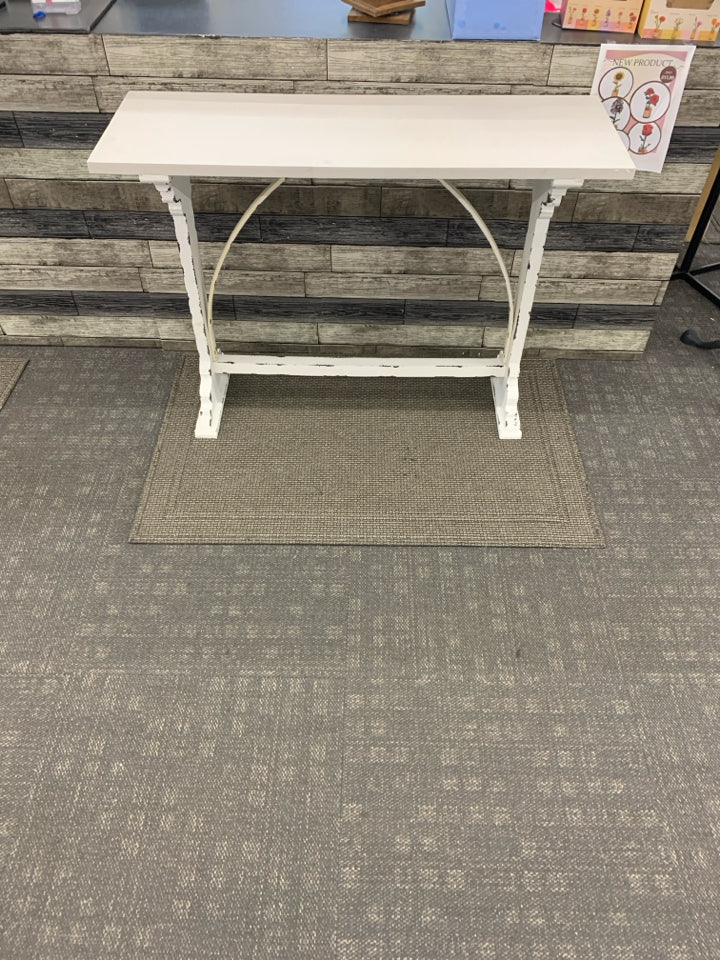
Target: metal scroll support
547,195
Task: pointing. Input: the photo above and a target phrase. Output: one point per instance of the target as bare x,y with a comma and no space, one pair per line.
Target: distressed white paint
164,138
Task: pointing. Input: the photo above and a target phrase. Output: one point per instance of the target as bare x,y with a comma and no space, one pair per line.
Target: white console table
556,142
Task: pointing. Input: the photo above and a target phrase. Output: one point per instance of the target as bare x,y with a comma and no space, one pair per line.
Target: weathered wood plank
608,266
211,227
580,291
333,201
49,131
575,339
429,62
124,304
111,90
268,331
59,252
250,256
632,208
216,57
437,202
429,260
693,145
69,278
614,315
309,309
84,195
388,231
9,133
573,66
44,302
660,236
49,325
42,223
397,286
7,341
5,200
149,343
65,164
400,334
661,293
399,89
484,312
52,53
675,178
230,281
705,69
56,94
700,108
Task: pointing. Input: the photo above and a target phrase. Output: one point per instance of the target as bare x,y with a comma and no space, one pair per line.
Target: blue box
495,19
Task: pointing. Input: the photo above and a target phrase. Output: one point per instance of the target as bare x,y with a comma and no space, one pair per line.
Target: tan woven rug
10,370
340,460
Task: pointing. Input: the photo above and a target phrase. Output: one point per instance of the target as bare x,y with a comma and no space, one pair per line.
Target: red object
647,129
551,7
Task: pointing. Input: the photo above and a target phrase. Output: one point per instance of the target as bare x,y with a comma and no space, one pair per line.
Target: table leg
546,197
176,193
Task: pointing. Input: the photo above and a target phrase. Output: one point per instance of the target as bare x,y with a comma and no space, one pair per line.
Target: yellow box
680,20
614,16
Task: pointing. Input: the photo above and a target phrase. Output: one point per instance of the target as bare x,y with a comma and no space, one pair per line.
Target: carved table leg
176,193
546,197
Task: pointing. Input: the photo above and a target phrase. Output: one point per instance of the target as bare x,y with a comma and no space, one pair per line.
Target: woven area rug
10,370
368,461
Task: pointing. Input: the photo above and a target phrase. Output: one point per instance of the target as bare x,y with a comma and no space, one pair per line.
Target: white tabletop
362,136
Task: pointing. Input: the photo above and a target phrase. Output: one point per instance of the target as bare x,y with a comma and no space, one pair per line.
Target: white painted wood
371,137
164,138
176,193
359,366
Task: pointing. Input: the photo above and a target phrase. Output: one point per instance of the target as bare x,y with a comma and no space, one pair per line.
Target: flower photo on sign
641,91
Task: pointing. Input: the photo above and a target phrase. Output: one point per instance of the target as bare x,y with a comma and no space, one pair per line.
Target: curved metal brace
463,200
231,239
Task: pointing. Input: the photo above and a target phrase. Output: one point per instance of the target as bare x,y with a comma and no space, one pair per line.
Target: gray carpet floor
351,753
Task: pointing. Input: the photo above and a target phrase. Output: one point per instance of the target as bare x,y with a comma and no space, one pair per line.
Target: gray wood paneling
437,202
700,108
618,266
49,325
580,291
49,131
425,62
704,69
229,281
47,301
111,90
573,66
660,236
388,231
484,312
397,286
122,304
158,226
42,223
84,195
56,94
9,133
69,278
249,256
399,89
693,145
51,165
611,314
333,201
633,208
58,252
675,178
400,334
430,260
216,57
52,53
311,309
575,339
269,331
5,200
562,235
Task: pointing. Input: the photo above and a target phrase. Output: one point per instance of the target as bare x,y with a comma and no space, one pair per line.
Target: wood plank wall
363,267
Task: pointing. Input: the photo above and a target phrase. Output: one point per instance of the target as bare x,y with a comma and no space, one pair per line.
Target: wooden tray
381,8
402,19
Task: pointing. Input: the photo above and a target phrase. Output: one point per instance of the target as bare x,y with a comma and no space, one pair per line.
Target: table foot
505,395
213,389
